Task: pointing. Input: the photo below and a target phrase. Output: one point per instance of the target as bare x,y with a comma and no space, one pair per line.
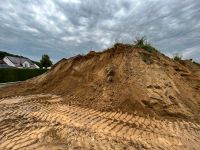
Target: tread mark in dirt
61,126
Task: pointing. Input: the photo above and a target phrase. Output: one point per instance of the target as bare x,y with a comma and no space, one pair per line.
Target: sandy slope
122,98
122,78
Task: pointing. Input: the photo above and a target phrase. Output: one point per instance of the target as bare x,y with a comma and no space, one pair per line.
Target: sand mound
122,78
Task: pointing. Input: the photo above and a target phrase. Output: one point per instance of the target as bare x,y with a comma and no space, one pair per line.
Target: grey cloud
63,28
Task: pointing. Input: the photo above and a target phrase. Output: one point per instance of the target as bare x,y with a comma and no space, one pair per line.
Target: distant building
19,62
3,64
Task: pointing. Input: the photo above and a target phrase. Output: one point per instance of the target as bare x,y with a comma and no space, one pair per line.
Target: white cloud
193,52
29,29
66,27
72,1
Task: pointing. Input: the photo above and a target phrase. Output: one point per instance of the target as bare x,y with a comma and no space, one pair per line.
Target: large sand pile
122,78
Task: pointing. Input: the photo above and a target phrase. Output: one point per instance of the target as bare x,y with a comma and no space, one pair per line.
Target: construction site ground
43,122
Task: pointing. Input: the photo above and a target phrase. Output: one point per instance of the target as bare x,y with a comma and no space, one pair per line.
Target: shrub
14,74
196,63
177,57
144,44
140,41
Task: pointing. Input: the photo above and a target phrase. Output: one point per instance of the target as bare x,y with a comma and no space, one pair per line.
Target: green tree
45,61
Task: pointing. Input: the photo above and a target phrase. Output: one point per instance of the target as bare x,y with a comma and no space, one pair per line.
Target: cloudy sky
63,28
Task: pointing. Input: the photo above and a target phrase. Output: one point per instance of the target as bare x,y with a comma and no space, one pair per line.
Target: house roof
18,61
2,62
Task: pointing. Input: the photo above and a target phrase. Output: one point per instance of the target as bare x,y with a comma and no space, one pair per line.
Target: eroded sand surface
43,122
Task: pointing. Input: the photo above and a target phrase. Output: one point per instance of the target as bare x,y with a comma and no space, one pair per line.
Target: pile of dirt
122,78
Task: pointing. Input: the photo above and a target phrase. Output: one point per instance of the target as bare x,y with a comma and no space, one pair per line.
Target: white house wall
36,66
26,64
8,62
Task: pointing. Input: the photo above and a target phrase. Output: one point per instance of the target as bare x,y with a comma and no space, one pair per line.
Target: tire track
99,125
38,125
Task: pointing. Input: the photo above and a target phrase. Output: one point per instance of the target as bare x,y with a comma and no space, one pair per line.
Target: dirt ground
43,122
122,78
121,98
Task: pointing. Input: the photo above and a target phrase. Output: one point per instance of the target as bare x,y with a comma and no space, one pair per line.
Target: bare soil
124,79
43,122
122,98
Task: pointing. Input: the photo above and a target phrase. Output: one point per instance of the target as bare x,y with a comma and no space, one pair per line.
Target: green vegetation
196,63
177,57
45,61
144,44
139,43
3,54
118,45
37,63
14,74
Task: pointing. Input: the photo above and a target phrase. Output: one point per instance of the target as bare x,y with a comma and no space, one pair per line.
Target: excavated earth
122,98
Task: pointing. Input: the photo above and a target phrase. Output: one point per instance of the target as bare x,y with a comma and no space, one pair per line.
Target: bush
196,63
140,41
144,44
177,57
14,74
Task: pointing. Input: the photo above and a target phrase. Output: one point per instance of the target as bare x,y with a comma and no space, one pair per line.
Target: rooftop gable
19,60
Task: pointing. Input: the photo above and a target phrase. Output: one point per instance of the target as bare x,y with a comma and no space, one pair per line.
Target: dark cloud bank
63,28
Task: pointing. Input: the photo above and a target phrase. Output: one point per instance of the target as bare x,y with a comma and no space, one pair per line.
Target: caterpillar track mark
36,124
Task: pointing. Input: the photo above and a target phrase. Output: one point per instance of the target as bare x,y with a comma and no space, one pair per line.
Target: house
3,64
19,62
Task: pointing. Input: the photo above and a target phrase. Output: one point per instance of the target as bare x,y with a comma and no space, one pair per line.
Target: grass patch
14,74
138,43
144,44
177,57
